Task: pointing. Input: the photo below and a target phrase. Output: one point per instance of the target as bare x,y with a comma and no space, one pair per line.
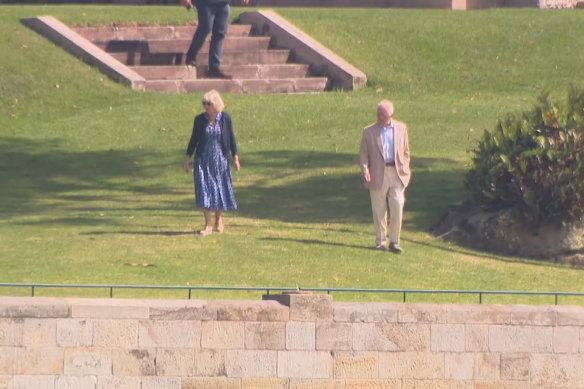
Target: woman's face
209,108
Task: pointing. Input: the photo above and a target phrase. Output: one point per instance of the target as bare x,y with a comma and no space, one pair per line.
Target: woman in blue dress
211,141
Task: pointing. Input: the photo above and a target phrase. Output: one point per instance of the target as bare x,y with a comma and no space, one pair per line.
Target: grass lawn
91,185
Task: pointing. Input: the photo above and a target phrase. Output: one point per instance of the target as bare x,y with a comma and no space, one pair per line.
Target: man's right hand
366,177
187,4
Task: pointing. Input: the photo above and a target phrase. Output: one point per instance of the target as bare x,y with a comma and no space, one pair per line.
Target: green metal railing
270,289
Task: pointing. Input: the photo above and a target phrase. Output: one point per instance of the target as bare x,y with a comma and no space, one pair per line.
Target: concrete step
228,58
237,71
104,34
176,46
291,85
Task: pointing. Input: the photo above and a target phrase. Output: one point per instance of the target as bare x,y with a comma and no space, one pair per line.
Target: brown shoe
217,73
191,62
394,248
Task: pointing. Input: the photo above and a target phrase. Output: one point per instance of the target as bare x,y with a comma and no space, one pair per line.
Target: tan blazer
373,160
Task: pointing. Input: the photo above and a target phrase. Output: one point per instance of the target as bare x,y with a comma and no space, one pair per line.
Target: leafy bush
534,162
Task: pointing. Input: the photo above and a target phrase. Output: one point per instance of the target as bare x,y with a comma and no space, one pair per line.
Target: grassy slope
90,171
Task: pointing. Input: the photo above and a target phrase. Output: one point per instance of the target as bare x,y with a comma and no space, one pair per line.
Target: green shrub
534,162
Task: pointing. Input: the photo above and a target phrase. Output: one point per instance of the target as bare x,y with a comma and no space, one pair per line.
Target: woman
211,141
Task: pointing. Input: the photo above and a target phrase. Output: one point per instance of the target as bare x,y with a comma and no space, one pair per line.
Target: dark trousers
212,19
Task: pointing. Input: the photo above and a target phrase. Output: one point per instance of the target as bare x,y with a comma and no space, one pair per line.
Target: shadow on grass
34,171
285,185
297,189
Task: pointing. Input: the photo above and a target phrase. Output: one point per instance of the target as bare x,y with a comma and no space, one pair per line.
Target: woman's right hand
187,164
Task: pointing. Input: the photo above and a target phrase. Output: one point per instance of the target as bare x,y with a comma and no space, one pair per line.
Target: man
213,16
385,167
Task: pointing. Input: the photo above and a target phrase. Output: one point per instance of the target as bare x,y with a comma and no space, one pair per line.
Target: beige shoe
206,231
219,229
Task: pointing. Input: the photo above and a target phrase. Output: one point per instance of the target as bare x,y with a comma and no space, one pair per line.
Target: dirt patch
500,232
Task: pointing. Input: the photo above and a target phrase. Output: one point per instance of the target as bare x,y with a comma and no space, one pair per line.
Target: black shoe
217,73
394,248
191,62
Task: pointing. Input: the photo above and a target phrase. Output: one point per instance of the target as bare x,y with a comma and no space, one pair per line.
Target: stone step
290,85
261,57
104,34
237,71
176,46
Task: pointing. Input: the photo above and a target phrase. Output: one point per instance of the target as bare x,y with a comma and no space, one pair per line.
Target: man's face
384,114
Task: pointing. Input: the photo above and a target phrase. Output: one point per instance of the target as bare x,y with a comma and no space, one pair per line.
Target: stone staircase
157,53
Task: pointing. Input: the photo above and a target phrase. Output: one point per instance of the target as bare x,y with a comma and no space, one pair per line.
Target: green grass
90,172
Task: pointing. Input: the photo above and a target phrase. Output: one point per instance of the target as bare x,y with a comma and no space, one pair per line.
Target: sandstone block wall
286,342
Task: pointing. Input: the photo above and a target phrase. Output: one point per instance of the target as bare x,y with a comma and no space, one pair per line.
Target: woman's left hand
236,162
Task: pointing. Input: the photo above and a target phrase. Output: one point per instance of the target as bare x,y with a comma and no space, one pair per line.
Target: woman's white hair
214,97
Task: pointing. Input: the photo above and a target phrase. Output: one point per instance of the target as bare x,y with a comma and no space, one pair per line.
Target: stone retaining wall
286,342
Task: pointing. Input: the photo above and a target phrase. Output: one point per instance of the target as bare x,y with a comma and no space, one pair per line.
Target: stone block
355,364
448,337
251,363
33,382
74,332
570,315
140,362
209,363
264,383
265,335
566,340
300,335
487,366
117,383
422,313
411,365
305,364
436,384
515,367
108,309
38,360
211,383
169,333
177,362
305,306
81,361
39,307
7,359
5,382
530,315
347,312
459,366
476,338
317,384
11,332
487,314
334,336
516,339
391,337
39,333
500,385
557,371
115,333
161,383
250,310
181,310
383,312
223,335
76,382
373,384
582,340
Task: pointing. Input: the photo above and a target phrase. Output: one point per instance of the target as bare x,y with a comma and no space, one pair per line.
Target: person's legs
208,226
395,201
379,210
204,24
219,221
221,15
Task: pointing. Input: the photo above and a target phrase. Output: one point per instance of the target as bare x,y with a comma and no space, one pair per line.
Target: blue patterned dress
213,185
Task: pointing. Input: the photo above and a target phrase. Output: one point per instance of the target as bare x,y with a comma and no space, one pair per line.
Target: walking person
385,168
213,17
211,141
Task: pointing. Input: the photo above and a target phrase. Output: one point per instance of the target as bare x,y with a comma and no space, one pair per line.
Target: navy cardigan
199,135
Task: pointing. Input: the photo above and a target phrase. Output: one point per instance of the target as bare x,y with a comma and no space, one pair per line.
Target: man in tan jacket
385,167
